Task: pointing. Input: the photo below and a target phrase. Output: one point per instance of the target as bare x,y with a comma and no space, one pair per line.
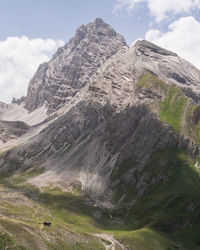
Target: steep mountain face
119,117
124,129
71,68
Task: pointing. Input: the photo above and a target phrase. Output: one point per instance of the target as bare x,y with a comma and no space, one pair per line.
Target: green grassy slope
23,209
73,223
172,108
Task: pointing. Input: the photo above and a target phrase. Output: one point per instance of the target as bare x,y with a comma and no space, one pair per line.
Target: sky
32,30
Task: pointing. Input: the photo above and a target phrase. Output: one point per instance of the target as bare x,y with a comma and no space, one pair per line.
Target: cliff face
73,65
133,106
126,108
124,127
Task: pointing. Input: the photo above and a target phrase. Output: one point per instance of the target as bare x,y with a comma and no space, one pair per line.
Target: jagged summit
73,65
99,21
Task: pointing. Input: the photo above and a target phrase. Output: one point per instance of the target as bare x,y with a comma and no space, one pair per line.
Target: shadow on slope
170,207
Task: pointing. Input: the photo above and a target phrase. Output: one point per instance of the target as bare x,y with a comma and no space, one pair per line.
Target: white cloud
127,4
160,9
19,59
182,38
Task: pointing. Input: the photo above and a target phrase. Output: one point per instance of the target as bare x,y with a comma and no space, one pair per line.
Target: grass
33,172
173,105
5,240
67,212
166,217
172,108
166,208
21,236
146,238
197,133
153,222
147,80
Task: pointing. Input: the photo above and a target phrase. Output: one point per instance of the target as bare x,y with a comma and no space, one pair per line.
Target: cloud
127,4
19,59
182,38
160,9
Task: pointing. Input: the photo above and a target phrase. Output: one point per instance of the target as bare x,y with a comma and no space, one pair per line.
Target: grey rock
73,65
167,65
111,120
19,100
10,130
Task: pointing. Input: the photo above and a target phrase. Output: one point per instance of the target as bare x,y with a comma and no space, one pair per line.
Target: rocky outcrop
166,65
11,130
19,100
116,81
73,65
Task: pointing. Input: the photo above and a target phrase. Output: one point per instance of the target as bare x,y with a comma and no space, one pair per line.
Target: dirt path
109,242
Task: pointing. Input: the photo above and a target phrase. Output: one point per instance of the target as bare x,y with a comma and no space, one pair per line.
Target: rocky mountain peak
103,28
144,46
165,64
128,137
99,22
73,65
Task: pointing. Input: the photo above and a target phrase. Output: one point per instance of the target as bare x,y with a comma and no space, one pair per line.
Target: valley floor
24,208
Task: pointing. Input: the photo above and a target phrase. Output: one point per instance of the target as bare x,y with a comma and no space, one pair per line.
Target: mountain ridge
124,137
86,51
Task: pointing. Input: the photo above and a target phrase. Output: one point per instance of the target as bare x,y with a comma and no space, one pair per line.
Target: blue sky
58,19
32,30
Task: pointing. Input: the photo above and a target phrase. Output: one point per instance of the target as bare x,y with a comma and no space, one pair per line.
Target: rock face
109,122
116,81
126,112
11,130
73,65
116,119
123,123
166,65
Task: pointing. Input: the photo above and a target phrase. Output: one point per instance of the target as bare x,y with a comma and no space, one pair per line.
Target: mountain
72,66
110,145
